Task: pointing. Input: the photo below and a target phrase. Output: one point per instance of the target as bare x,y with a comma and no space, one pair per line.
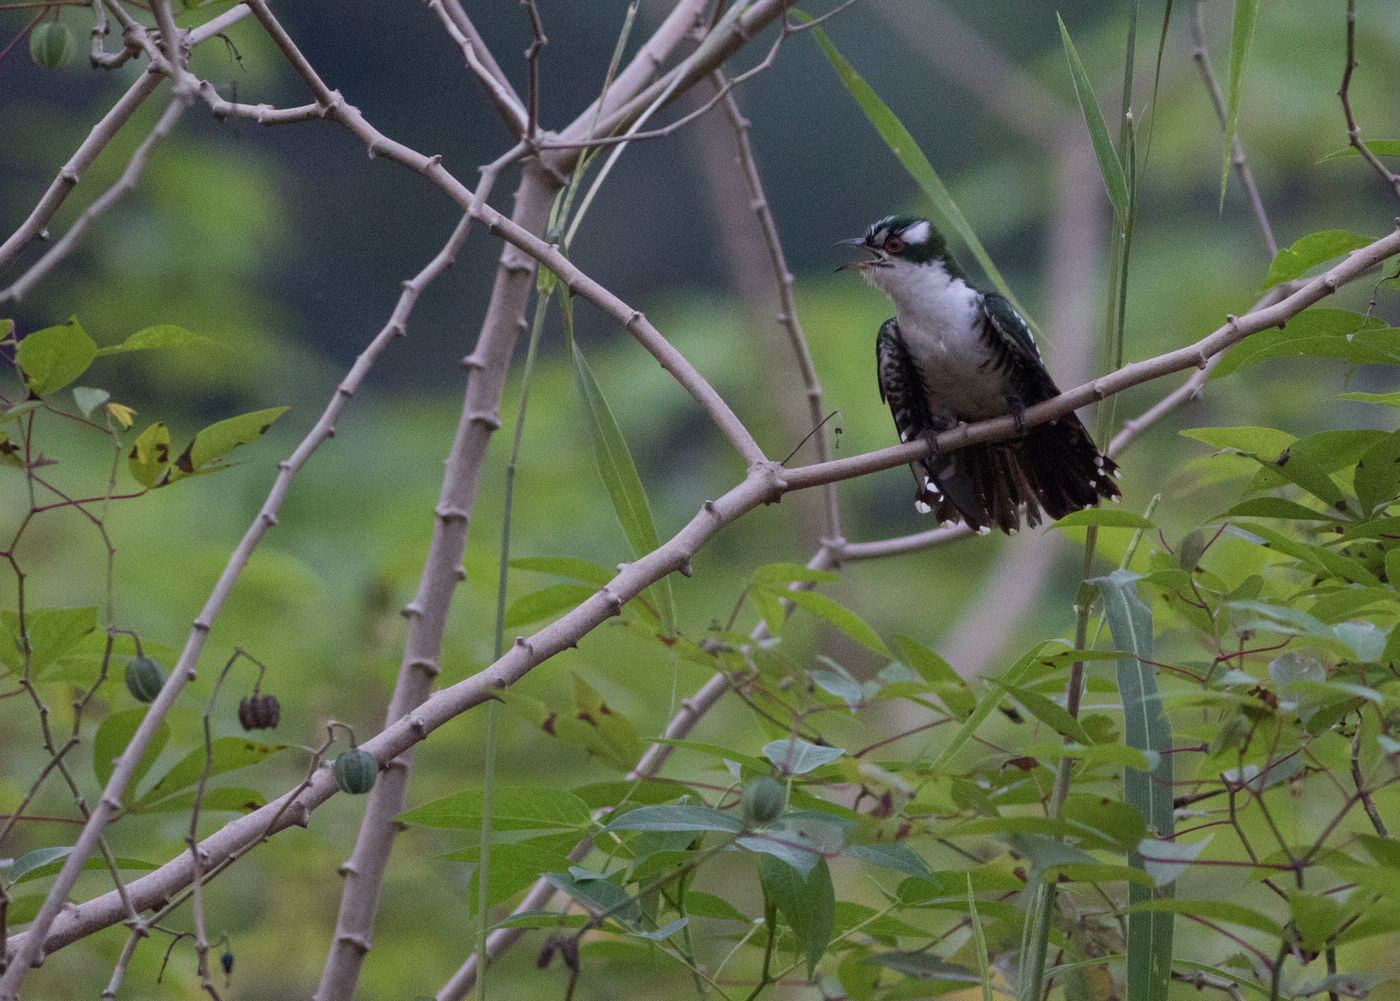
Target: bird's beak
856,241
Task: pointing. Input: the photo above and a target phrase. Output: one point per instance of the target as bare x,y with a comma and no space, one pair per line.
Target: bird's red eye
894,245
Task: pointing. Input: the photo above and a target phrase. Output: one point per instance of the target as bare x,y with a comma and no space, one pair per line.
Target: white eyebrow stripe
917,233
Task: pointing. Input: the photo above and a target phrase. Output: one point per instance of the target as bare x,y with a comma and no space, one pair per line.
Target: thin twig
787,303
1353,129
479,60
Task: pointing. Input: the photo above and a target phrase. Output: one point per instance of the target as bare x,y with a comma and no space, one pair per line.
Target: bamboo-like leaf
620,477
1144,726
1241,36
1110,168
944,211
839,616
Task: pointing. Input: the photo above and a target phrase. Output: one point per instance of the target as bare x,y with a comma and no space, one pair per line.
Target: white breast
940,320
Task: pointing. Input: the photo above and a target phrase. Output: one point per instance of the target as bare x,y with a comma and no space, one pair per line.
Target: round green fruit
763,800
50,44
144,678
355,771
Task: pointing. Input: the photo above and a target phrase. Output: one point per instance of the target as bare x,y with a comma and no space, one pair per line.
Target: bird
955,353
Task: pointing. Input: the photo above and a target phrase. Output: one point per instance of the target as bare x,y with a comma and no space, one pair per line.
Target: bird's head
899,247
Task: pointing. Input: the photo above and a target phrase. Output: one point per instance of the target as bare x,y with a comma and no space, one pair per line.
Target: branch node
427,665
521,643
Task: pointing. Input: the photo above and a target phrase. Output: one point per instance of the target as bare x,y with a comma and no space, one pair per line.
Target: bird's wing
900,385
940,486
1017,353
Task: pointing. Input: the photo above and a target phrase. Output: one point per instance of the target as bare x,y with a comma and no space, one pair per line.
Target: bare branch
479,60
179,102
787,304
1353,129
72,171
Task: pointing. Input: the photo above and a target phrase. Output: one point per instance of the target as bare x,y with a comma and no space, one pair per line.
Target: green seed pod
144,678
763,800
355,771
50,44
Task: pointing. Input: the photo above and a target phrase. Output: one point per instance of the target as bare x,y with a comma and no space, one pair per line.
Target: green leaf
1276,507
219,439
1245,440
839,616
1241,36
1319,333
514,807
226,754
566,566
1310,251
1319,559
943,681
926,967
1105,517
1211,910
546,603
796,756
1385,399
1048,712
1150,793
1380,147
230,798
597,894
1110,168
676,817
610,735
620,477
943,210
53,357
165,335
48,634
17,869
800,838
150,455
839,686
113,735
773,575
808,905
896,855
1016,674
1377,477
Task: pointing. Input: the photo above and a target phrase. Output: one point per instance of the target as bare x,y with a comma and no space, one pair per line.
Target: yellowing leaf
150,455
121,413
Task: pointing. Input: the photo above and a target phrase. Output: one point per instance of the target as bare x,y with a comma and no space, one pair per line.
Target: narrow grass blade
1241,36
620,477
1109,166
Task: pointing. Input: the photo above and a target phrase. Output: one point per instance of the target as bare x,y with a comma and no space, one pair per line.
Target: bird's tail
1055,468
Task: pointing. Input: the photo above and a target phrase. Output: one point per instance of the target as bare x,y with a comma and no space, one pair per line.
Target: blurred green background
286,246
